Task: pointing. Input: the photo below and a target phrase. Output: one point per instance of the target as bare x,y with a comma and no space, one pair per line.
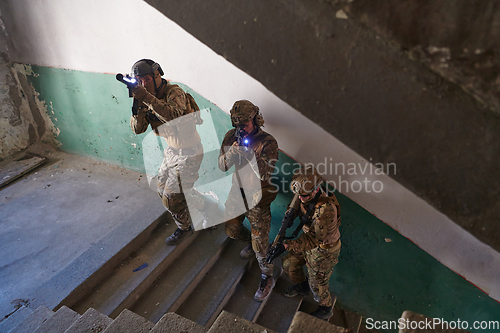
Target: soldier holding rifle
318,247
254,153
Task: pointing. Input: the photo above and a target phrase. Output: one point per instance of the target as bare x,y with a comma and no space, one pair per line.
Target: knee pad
166,201
255,246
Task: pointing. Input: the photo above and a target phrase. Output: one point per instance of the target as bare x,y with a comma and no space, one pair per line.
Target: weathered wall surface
366,91
23,120
457,39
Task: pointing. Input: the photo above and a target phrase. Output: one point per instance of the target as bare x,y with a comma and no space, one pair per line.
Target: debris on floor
19,167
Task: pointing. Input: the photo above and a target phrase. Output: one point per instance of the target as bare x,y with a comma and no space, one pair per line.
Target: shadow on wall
458,40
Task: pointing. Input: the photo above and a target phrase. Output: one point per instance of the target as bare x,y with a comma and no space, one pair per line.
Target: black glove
275,252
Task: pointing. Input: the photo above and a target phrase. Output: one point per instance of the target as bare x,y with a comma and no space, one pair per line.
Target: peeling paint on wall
23,117
13,117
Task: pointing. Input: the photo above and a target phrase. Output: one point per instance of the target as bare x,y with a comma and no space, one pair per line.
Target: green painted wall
380,279
91,112
376,278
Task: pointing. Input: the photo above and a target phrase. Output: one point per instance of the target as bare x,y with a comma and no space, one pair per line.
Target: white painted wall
110,35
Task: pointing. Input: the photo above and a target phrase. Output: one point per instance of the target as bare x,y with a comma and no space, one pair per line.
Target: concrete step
305,323
309,305
278,313
33,321
351,321
77,279
121,288
127,321
212,293
171,322
91,321
175,284
264,313
59,322
242,302
15,319
347,319
228,322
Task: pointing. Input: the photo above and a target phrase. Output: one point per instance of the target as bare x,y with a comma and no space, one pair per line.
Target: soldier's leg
320,263
175,203
188,167
236,230
234,216
177,174
172,198
260,222
293,265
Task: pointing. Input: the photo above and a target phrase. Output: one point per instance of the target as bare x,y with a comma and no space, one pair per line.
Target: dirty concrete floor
56,212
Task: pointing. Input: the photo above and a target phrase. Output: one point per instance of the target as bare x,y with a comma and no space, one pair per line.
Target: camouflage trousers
183,168
320,263
259,217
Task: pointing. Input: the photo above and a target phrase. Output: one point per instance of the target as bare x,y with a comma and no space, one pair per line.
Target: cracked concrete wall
457,39
460,42
23,119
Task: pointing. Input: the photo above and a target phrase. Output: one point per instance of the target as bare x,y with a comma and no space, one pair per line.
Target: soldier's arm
267,159
323,216
226,159
139,122
327,214
174,107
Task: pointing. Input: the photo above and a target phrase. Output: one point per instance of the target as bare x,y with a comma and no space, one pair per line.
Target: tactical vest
333,232
257,145
181,132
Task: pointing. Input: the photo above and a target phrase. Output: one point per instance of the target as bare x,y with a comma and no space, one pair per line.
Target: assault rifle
240,133
277,246
130,82
240,140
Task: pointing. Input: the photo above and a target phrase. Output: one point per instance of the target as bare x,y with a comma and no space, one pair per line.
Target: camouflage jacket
265,148
324,228
169,103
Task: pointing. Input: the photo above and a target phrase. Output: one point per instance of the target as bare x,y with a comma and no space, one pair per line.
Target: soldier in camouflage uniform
168,110
257,156
318,247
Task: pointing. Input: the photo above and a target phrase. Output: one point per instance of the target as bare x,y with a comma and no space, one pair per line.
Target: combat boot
265,287
297,289
178,236
323,312
247,252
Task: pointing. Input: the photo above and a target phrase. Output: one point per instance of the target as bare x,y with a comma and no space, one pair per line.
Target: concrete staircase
65,320
200,285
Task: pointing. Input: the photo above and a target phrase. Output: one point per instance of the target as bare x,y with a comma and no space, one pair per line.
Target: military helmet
305,181
243,111
145,67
